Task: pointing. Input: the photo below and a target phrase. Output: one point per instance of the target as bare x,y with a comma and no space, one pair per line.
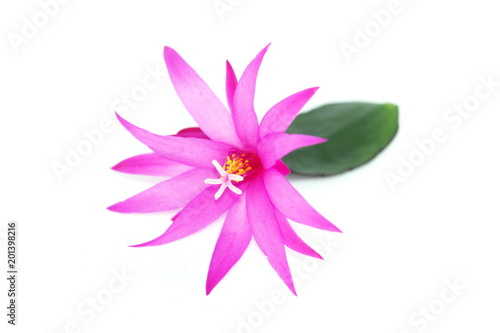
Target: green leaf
356,133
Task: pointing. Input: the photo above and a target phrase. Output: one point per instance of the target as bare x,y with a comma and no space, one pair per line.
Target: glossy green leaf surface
356,133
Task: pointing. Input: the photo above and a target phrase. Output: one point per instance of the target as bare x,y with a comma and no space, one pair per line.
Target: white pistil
225,181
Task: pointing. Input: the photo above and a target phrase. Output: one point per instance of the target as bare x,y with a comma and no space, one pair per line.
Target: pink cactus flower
231,163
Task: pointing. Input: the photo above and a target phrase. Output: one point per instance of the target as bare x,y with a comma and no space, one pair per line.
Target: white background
399,247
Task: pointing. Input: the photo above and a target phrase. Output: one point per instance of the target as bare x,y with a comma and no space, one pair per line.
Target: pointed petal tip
140,245
292,289
171,58
114,208
121,207
209,287
335,229
118,167
212,282
317,255
264,50
168,50
331,227
262,53
121,119
310,140
320,140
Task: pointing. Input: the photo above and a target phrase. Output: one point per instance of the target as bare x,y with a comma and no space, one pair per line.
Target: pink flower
230,164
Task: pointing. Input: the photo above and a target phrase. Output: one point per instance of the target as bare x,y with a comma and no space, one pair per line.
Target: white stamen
214,181
221,190
237,178
226,181
219,168
233,188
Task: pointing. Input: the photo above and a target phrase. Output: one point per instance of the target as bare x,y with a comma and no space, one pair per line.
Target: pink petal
281,115
170,194
292,240
197,214
265,230
274,146
203,105
291,204
231,83
190,151
233,241
192,132
244,115
151,165
281,167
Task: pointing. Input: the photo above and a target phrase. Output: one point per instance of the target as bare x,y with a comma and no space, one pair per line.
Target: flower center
239,165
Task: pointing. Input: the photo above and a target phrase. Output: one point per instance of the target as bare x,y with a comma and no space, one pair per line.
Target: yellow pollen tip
236,165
